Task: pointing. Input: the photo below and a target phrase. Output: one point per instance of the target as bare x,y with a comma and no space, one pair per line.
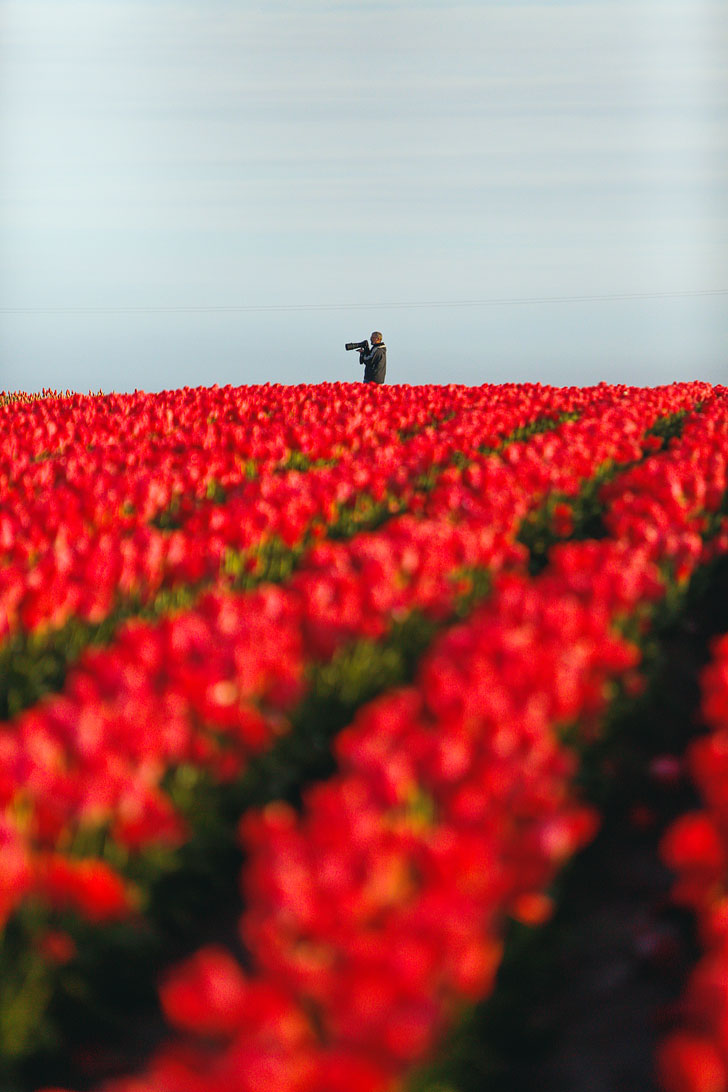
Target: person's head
376,338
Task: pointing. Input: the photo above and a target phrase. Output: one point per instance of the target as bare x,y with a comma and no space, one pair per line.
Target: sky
225,191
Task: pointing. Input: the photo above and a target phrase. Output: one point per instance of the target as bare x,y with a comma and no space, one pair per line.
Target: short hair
376,335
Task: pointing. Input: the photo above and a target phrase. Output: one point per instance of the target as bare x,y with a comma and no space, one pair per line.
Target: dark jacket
375,363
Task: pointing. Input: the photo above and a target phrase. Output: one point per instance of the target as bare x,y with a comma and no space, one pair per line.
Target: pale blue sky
320,165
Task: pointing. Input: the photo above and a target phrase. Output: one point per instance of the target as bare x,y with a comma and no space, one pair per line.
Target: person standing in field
374,359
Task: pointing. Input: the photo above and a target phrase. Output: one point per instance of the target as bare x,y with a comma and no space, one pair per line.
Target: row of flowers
122,498
147,449
204,675
86,582
88,574
220,681
694,1056
378,911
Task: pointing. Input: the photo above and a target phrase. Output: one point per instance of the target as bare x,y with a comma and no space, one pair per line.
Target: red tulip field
323,706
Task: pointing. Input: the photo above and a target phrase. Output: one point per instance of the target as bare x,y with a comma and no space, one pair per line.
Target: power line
505,301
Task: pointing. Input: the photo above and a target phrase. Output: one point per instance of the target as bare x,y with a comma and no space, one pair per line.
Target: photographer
374,360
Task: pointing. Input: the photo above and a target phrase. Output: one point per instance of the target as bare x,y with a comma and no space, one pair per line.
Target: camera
362,346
